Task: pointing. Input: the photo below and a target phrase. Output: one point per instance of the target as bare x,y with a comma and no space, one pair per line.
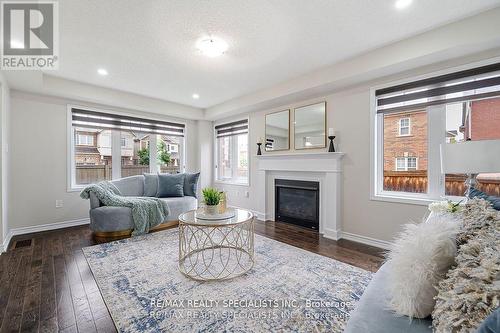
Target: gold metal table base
216,252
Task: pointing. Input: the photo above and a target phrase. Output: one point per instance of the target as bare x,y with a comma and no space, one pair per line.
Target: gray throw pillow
191,184
150,184
170,185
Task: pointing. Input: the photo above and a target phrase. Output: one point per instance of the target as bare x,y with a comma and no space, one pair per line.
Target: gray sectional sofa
371,314
108,221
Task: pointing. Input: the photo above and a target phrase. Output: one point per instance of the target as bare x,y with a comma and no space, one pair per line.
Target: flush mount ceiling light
196,96
212,46
102,71
401,4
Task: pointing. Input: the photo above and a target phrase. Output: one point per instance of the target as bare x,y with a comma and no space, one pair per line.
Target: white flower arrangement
445,206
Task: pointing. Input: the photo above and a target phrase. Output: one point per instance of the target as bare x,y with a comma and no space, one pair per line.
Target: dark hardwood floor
47,286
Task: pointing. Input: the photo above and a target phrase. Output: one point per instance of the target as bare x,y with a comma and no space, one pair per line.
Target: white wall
205,146
38,163
4,145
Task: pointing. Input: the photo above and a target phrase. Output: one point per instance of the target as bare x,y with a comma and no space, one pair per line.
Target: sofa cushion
170,185
179,205
491,324
107,218
150,184
371,313
130,186
191,184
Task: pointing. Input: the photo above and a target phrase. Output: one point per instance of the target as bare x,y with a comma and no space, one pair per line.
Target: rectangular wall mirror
310,126
278,131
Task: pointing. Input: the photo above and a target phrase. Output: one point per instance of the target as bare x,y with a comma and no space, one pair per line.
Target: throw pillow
420,257
495,201
170,185
469,293
191,184
150,184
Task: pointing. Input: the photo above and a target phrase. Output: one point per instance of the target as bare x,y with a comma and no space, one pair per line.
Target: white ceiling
148,47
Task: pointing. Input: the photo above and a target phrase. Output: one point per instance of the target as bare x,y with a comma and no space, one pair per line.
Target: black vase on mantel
331,149
259,152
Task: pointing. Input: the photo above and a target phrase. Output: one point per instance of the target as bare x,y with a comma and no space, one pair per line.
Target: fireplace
297,202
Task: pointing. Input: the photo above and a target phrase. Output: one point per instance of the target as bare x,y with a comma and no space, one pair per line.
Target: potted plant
212,198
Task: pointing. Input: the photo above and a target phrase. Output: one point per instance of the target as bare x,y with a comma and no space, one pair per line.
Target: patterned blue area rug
288,289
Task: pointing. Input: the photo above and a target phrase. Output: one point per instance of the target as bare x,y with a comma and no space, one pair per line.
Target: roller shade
233,128
473,84
93,119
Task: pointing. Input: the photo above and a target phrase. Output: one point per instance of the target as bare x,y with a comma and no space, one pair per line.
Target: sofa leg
104,237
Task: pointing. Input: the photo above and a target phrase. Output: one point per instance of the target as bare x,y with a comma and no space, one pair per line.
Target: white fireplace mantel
324,167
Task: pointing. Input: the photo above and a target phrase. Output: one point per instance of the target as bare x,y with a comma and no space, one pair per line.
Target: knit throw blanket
146,212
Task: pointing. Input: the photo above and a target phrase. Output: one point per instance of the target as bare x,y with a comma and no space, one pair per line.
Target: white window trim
216,156
71,185
409,126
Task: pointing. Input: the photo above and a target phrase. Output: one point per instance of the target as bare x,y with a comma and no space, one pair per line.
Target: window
404,126
400,153
406,164
441,110
101,140
84,139
232,152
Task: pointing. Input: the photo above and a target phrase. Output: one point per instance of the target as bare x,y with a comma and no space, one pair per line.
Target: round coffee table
216,249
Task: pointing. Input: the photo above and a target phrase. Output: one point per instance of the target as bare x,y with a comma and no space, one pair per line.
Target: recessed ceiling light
401,4
212,46
196,96
15,44
102,71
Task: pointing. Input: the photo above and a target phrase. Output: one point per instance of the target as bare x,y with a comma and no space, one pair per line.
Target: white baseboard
365,240
39,228
331,234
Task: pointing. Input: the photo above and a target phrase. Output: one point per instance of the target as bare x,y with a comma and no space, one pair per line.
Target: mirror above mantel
310,126
278,131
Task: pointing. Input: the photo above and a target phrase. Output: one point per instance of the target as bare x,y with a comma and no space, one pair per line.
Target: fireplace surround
322,167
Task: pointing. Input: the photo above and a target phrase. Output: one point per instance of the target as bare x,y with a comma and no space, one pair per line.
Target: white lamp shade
471,157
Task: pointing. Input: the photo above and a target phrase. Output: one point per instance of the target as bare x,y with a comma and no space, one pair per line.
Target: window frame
86,144
400,127
234,153
70,151
406,163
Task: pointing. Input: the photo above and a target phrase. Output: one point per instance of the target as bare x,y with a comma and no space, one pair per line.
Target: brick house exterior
403,143
485,120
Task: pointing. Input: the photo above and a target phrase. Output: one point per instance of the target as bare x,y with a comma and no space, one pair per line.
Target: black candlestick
259,152
331,149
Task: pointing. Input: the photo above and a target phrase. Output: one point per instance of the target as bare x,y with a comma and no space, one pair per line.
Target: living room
186,171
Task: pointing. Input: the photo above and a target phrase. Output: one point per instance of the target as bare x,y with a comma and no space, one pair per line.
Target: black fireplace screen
297,202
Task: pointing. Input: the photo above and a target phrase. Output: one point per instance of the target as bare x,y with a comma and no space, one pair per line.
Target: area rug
288,289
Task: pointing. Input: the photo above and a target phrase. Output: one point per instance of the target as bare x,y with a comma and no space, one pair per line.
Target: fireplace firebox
297,202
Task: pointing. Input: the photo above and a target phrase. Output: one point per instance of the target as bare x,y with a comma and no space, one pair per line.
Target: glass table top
192,218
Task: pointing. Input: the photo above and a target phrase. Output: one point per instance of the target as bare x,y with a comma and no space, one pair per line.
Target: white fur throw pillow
419,259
